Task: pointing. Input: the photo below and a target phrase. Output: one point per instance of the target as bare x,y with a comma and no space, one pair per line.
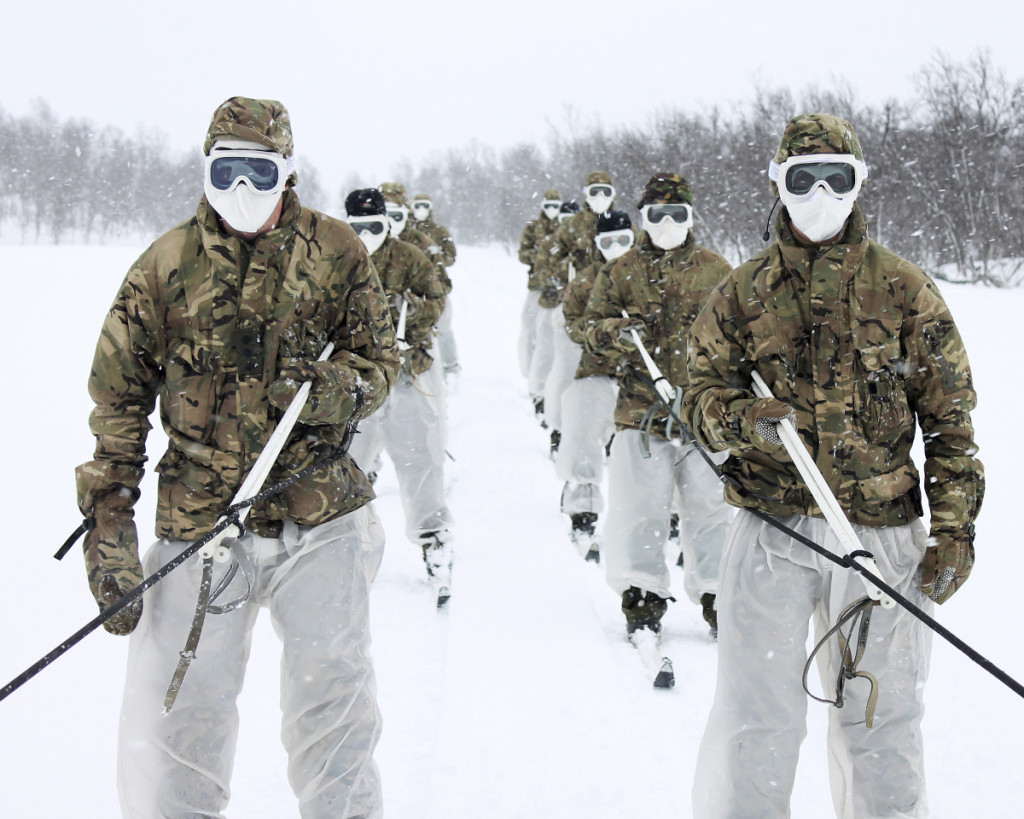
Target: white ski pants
528,331
543,352
771,588
315,580
446,337
640,501
565,360
411,428
588,421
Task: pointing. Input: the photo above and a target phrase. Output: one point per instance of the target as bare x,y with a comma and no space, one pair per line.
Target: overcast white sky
368,83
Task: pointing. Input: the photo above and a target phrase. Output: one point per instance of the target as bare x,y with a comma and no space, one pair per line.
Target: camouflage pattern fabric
406,272
537,239
552,194
204,321
574,306
263,121
665,290
860,344
598,178
440,238
816,134
573,244
417,238
666,189
394,192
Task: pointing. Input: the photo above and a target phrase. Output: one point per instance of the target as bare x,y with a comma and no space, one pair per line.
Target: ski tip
443,596
593,556
666,677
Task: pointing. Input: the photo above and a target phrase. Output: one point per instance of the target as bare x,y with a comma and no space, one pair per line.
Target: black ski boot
583,537
643,625
556,439
538,411
707,604
673,535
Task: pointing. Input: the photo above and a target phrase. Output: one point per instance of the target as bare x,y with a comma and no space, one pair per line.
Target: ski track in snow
523,698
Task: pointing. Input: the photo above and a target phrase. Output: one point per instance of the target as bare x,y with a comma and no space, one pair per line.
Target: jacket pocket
187,400
882,401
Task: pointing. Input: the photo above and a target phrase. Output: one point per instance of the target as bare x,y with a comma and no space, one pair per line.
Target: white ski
658,668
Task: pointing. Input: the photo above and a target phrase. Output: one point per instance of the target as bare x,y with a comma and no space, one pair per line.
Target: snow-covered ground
523,699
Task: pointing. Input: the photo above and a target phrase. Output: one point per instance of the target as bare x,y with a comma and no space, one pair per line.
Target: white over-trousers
565,360
640,501
772,587
446,337
315,580
528,331
543,352
411,427
588,410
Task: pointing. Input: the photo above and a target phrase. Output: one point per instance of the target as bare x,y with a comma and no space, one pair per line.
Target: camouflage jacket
574,306
204,321
441,237
417,238
665,289
860,343
407,273
573,244
536,239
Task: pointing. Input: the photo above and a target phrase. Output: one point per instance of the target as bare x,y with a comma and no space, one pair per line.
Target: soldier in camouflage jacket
423,219
410,425
858,348
582,388
662,284
536,239
221,319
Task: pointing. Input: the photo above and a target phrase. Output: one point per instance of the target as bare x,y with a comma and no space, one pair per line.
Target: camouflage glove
112,558
764,416
331,399
624,340
947,563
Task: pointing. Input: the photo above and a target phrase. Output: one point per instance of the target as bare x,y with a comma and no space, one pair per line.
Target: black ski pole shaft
929,621
110,611
925,618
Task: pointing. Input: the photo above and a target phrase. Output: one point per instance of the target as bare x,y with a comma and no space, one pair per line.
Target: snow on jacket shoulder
204,321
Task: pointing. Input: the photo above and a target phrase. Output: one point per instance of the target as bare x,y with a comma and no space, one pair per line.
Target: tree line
945,186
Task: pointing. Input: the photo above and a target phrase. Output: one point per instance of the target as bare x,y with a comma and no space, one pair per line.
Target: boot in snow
437,556
673,536
643,609
707,604
556,439
538,411
583,537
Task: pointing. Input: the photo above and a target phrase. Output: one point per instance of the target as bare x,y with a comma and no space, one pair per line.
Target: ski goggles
599,190
421,205
622,238
396,215
264,171
548,204
678,213
800,176
374,225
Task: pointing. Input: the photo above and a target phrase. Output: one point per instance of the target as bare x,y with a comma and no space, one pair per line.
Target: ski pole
661,384
824,497
400,329
226,523
261,469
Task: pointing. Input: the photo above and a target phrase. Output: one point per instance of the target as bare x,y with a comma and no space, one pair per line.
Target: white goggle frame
586,190
285,167
777,174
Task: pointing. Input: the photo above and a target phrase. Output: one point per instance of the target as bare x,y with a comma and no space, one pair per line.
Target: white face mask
599,204
373,241
820,217
243,207
614,249
421,212
398,225
666,234
550,208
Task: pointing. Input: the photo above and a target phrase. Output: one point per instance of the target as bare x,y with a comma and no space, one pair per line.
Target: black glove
624,340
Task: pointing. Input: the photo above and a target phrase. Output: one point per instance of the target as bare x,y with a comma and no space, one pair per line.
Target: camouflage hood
816,134
394,192
666,189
